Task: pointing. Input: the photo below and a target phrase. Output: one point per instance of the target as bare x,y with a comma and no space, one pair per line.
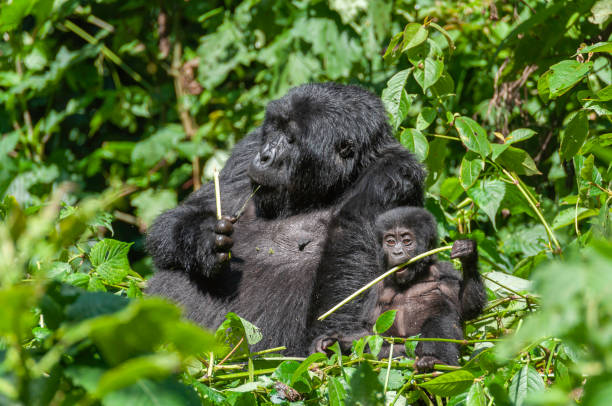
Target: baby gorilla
431,298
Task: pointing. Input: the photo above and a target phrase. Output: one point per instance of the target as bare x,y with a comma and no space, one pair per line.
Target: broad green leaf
110,261
396,378
565,75
384,321
605,94
444,86
488,195
473,136
285,371
517,160
449,39
497,150
574,135
233,329
155,366
375,343
513,282
335,392
449,384
396,100
169,392
451,189
568,216
598,47
520,134
394,49
476,396
426,116
543,86
526,381
414,35
416,142
429,73
365,389
471,166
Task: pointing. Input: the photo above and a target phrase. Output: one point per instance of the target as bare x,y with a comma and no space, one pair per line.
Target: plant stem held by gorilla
217,193
381,277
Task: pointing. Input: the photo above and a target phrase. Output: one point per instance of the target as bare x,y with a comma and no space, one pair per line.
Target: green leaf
426,116
233,329
365,389
526,381
574,136
565,75
497,150
471,166
451,189
449,384
429,73
396,100
169,392
154,366
375,343
335,392
517,160
520,134
110,261
488,195
394,49
543,87
568,216
384,321
444,86
473,136
396,378
598,47
476,396
605,94
416,142
414,35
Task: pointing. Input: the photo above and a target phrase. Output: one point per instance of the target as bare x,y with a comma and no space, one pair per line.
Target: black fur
327,165
433,301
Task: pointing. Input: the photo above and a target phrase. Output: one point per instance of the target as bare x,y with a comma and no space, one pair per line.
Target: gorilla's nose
265,157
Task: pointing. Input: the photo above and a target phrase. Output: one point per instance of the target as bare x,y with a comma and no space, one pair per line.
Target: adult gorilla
327,165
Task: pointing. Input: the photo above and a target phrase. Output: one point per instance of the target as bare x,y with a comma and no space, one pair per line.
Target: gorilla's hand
223,242
465,250
323,343
426,363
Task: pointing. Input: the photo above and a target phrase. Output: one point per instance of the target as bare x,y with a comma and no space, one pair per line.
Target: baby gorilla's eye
407,241
390,241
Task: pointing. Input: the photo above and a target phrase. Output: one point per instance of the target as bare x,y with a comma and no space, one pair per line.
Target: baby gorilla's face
399,246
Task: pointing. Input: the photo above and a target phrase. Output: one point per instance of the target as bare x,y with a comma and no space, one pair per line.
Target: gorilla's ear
345,149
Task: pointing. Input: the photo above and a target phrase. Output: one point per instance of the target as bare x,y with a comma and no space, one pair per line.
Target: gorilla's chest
277,258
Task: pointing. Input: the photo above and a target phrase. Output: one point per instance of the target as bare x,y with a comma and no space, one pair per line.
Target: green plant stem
262,352
551,236
443,340
113,57
380,278
239,375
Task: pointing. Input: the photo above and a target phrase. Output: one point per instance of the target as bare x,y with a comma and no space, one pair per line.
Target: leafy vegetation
114,111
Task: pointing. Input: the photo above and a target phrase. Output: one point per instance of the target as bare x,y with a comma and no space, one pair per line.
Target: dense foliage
113,111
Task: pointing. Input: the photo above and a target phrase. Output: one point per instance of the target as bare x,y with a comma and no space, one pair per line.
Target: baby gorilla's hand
464,250
425,363
223,242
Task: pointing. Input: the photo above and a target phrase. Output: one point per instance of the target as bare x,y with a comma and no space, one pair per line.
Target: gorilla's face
312,146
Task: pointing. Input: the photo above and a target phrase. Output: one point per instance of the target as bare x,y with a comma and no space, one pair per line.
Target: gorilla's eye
390,241
345,149
407,241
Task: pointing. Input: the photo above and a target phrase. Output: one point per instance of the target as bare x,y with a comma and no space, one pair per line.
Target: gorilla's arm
183,238
472,292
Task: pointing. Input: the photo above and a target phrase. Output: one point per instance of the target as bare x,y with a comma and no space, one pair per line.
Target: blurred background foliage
113,111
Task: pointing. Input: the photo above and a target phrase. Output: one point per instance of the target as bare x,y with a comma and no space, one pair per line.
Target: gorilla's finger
224,226
223,242
222,257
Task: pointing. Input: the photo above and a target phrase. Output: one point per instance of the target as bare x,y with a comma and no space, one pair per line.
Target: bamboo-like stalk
217,193
381,277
